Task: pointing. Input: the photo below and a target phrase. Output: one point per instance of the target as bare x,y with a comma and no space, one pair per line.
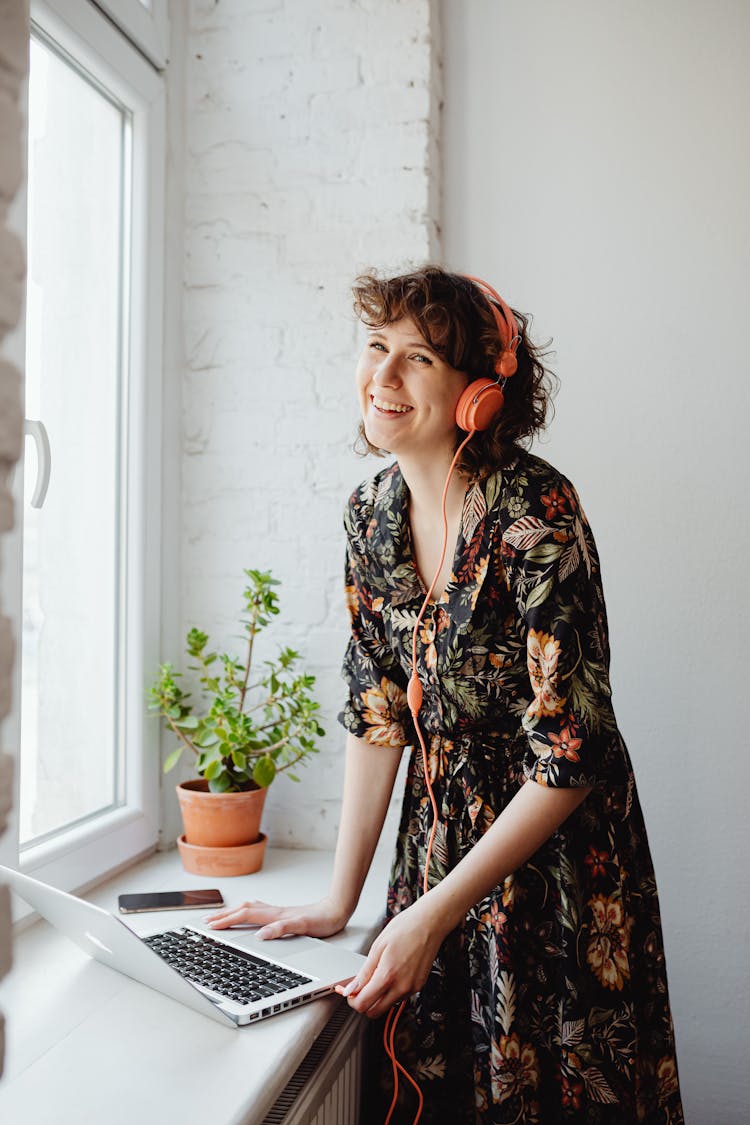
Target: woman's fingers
273,920
249,913
380,994
291,925
363,979
320,919
366,1003
386,1002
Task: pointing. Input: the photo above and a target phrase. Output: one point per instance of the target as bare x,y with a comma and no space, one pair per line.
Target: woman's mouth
389,409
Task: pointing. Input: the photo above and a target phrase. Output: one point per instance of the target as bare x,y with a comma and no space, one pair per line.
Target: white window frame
145,25
86,852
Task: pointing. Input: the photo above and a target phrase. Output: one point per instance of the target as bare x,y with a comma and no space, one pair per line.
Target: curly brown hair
455,319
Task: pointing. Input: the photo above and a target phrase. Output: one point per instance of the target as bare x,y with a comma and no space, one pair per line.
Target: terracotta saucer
241,860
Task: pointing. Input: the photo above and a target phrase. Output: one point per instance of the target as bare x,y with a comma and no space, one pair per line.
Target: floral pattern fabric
550,1003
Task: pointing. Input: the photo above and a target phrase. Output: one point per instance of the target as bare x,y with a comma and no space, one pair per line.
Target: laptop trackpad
278,950
281,949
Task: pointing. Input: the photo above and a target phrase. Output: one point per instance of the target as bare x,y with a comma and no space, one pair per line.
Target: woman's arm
527,822
403,954
369,774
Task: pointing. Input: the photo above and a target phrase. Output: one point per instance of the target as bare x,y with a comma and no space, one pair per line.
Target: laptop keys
233,973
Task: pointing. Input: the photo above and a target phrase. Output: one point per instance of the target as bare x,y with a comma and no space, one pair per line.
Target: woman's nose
387,372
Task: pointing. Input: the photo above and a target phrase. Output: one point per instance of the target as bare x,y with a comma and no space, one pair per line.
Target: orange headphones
479,404
483,398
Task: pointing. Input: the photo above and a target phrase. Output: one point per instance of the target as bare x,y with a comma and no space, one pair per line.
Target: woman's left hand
399,960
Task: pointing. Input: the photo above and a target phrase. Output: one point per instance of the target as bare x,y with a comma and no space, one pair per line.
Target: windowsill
86,1044
86,856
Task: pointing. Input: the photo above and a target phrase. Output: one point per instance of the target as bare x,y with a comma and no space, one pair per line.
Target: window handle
43,459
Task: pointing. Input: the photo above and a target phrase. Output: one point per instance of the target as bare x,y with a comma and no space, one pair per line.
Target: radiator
324,1090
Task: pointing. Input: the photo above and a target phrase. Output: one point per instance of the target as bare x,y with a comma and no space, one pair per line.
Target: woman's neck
425,480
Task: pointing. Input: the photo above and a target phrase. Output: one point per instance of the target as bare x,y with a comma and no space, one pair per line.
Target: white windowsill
85,1044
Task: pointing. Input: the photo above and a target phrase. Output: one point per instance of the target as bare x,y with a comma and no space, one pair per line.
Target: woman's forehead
405,328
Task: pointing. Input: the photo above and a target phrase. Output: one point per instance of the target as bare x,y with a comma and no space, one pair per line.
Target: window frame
146,27
86,852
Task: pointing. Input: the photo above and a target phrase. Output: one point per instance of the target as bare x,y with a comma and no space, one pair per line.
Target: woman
533,966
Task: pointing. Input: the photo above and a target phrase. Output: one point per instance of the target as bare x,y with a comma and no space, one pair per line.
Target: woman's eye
376,344
424,358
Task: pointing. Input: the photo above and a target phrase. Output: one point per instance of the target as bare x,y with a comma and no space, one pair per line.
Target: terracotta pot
219,820
243,860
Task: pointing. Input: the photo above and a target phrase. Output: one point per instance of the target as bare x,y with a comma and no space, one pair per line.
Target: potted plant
245,733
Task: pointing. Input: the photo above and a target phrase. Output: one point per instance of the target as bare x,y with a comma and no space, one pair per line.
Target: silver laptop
225,974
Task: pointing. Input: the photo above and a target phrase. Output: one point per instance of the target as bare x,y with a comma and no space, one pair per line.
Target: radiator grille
324,1089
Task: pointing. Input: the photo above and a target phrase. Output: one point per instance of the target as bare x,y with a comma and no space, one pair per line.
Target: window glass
76,328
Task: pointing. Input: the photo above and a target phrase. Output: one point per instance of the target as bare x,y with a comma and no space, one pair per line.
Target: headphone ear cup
506,365
480,402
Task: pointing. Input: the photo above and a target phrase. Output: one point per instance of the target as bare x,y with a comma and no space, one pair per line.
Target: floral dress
549,1003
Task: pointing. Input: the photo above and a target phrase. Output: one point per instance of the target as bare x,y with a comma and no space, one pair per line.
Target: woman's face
407,393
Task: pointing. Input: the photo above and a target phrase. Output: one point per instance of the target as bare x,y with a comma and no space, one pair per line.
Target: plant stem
280,769
263,703
181,735
282,741
253,625
268,726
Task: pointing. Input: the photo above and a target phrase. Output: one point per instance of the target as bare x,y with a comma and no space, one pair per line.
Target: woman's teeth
389,407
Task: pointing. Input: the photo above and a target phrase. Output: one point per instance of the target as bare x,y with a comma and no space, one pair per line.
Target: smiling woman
452,335
523,943
408,393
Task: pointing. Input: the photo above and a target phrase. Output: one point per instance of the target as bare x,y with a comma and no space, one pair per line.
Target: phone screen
169,900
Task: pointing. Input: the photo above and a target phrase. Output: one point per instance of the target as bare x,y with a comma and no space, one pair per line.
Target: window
88,492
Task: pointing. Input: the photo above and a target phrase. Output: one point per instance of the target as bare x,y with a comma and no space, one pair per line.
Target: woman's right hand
317,919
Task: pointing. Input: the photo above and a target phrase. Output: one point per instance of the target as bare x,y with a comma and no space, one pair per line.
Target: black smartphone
169,900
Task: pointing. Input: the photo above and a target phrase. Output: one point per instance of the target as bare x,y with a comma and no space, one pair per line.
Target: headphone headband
507,325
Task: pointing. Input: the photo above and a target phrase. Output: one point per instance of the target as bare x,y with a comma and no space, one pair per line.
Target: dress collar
395,576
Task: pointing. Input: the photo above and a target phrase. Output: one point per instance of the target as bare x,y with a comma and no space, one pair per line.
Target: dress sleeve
376,709
570,726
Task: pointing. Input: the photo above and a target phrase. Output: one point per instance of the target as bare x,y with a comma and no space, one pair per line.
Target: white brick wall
14,33
311,152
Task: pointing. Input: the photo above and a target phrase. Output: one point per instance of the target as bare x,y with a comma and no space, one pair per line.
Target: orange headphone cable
414,698
389,1041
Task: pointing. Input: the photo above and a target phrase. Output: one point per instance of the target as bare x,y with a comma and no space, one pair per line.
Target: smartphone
169,900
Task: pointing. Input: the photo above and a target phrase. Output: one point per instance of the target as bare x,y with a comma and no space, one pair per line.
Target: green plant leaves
221,784
246,729
264,771
207,739
172,760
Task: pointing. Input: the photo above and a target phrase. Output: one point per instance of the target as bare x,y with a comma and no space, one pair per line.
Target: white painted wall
310,154
597,172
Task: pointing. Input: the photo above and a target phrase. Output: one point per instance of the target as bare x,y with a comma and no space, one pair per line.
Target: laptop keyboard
233,973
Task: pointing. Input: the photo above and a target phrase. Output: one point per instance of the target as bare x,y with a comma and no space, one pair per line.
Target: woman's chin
380,439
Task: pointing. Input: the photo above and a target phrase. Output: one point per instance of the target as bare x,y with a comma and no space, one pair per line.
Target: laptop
227,975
